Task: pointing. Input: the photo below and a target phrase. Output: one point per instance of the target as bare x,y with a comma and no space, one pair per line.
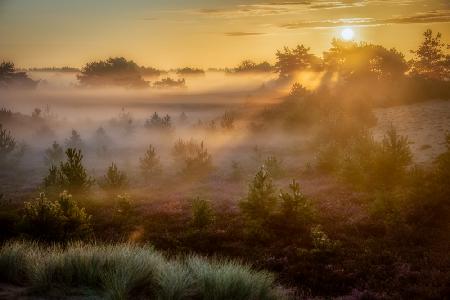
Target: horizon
204,34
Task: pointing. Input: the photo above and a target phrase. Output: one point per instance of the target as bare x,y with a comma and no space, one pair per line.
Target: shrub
114,179
124,212
59,219
150,164
53,155
202,214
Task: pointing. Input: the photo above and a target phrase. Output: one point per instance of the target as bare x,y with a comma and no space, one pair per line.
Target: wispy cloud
242,33
441,16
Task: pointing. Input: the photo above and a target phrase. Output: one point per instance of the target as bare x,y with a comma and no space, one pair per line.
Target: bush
59,219
70,175
169,83
202,214
150,164
114,179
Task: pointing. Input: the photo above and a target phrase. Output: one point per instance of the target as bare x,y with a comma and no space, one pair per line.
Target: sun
347,34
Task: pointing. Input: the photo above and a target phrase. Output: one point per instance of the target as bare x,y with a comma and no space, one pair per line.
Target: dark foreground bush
129,272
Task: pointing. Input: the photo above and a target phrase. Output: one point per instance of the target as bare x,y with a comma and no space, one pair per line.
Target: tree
202,214
7,143
170,83
274,166
227,120
364,61
249,66
192,157
295,209
114,180
74,141
54,154
260,203
59,219
156,122
9,77
431,60
10,151
150,164
115,71
70,175
294,60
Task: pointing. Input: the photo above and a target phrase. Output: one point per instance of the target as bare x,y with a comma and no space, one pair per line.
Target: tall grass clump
126,271
230,280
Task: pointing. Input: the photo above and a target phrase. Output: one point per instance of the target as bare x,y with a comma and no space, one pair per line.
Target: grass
126,271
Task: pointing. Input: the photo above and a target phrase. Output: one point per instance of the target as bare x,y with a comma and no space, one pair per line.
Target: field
314,178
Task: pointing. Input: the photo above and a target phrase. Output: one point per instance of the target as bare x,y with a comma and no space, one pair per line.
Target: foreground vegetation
126,271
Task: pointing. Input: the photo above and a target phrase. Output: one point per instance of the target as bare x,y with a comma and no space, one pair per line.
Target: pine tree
74,141
150,164
295,209
53,155
70,175
114,179
260,203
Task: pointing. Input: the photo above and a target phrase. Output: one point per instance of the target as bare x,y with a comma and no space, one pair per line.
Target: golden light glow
347,34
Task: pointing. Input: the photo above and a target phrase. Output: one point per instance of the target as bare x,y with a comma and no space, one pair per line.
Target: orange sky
202,33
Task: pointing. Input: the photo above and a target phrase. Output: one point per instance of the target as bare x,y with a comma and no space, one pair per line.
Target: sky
203,33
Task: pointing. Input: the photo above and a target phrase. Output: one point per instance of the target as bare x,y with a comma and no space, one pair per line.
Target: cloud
439,16
242,33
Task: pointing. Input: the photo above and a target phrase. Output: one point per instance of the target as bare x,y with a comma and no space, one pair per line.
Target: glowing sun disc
347,34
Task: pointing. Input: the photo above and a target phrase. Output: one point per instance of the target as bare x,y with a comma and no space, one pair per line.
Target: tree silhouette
430,60
355,61
296,59
9,77
115,71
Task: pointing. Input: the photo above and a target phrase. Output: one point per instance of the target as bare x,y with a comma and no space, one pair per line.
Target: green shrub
59,219
70,175
114,179
150,164
202,214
